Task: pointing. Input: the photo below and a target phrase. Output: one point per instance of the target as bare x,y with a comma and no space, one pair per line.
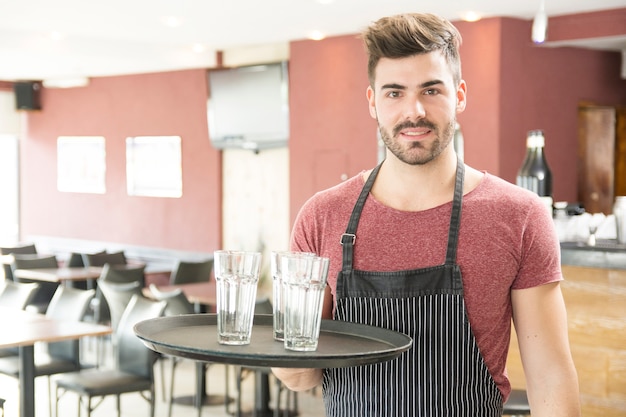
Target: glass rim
235,252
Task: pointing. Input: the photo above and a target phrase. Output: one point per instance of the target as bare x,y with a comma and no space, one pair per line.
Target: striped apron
443,374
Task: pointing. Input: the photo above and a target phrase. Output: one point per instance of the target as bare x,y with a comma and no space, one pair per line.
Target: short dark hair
404,35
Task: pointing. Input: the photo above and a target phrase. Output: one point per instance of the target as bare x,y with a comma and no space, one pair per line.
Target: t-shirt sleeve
540,253
303,236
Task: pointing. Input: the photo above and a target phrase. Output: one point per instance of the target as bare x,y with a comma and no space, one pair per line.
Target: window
154,167
81,164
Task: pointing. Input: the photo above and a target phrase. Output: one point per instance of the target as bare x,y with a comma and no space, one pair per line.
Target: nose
414,109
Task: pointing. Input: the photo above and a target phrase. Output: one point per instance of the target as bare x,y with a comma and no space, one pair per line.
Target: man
437,250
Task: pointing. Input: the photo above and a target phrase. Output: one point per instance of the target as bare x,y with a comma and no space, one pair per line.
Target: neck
416,187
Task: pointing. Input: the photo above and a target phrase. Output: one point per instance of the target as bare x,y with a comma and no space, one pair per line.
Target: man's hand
299,379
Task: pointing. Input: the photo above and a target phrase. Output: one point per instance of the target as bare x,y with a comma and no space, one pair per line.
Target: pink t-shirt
506,241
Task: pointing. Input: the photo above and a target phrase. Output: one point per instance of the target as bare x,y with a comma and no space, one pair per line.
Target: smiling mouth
414,130
414,135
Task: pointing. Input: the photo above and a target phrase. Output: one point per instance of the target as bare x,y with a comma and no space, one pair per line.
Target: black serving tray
341,344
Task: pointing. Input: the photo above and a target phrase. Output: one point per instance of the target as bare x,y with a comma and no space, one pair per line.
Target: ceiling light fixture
540,24
66,82
198,48
470,16
316,35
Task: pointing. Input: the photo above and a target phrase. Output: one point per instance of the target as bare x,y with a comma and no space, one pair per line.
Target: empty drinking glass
277,289
237,275
304,281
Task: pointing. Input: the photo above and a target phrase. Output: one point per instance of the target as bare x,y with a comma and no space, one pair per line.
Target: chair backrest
46,289
25,249
17,294
118,274
76,258
33,261
123,273
117,296
132,355
188,271
69,304
99,259
263,306
177,302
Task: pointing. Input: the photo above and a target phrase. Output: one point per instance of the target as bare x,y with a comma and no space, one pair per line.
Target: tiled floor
133,405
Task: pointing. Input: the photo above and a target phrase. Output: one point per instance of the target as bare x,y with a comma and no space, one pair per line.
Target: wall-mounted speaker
27,95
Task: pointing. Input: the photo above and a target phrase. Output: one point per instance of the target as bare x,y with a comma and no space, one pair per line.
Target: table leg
27,381
202,398
262,395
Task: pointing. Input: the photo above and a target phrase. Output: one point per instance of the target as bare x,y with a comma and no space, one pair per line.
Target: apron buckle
347,235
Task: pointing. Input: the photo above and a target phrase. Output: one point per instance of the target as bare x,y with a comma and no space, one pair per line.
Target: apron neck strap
348,239
455,217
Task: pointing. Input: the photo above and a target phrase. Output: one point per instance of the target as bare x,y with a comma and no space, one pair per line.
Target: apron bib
443,374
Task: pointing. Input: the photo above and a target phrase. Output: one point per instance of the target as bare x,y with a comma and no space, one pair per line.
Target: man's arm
541,326
302,379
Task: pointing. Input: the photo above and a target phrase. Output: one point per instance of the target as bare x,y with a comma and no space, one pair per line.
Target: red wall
514,86
332,133
171,103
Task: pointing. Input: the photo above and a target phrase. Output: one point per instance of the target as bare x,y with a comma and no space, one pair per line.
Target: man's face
415,103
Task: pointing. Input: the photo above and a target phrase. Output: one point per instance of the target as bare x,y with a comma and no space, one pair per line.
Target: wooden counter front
596,309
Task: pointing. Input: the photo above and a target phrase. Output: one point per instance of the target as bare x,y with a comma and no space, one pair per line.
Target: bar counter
595,296
606,254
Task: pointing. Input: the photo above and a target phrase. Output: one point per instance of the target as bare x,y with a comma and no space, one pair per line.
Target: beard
417,153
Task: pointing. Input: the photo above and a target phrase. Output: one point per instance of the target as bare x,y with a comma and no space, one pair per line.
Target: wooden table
197,292
64,274
23,330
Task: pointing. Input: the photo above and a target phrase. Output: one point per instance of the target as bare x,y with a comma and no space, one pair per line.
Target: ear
371,100
461,97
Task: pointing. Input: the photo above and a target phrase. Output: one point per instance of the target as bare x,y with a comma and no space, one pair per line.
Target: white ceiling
128,36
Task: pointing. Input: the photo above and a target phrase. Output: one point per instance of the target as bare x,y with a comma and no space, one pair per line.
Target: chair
517,404
134,363
24,249
187,271
119,274
117,296
67,304
99,259
114,289
46,291
16,295
76,260
27,249
264,306
177,304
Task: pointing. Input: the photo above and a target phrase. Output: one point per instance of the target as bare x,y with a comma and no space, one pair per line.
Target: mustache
407,125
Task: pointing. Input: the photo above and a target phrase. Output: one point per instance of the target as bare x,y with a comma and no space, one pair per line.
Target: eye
431,92
394,94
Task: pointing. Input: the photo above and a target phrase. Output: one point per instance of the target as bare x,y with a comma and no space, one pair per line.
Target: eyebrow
394,86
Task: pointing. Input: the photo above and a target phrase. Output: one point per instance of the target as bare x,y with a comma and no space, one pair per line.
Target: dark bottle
535,174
